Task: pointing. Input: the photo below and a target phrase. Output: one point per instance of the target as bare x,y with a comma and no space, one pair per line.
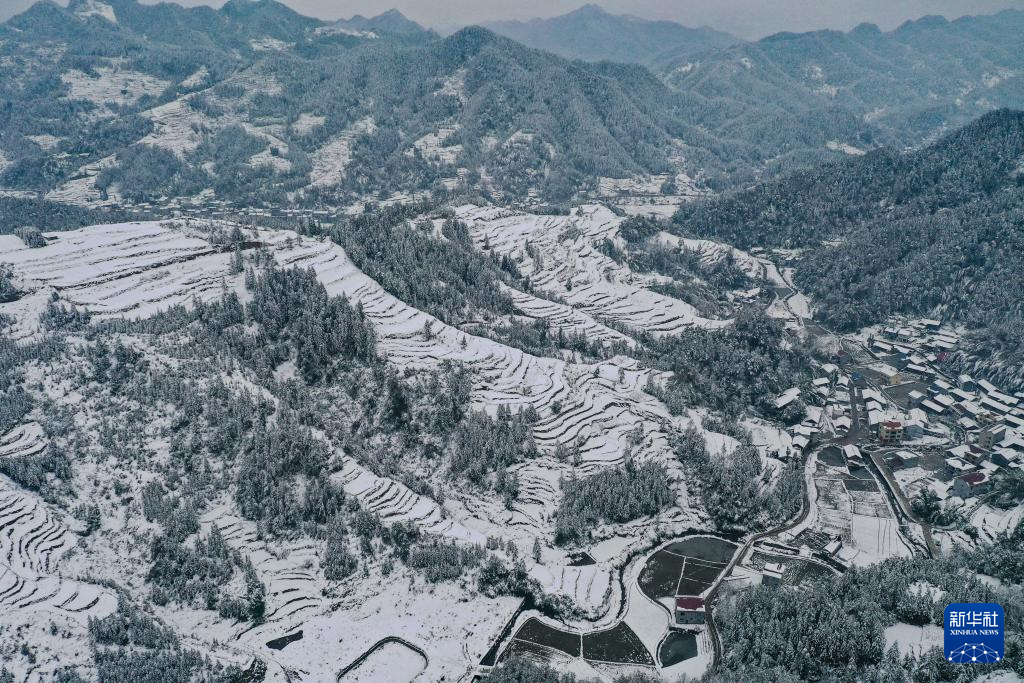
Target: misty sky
745,18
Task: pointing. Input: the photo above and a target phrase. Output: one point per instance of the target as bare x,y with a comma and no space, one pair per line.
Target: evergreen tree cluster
732,370
733,488
293,308
834,630
482,445
130,646
610,496
196,575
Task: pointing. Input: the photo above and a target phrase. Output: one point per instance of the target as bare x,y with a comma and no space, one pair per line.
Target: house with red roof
690,611
971,484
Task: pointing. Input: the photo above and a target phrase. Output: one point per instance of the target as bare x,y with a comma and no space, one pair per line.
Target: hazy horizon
746,19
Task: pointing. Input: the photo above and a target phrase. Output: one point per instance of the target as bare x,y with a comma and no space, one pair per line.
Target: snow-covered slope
561,255
134,270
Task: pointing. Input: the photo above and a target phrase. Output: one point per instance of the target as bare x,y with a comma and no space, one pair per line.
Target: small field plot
619,645
864,485
832,456
686,567
698,576
391,660
677,647
537,632
660,575
797,572
521,648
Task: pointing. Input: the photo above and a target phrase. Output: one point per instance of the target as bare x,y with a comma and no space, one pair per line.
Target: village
888,413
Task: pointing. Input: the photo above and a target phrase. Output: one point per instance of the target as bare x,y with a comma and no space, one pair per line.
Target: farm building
971,484
852,454
771,576
690,610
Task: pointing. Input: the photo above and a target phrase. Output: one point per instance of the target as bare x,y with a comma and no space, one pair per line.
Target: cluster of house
916,347
971,466
975,404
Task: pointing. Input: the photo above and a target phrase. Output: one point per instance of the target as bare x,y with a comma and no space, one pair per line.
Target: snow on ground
433,146
128,269
137,269
769,439
32,542
644,195
329,161
268,44
45,141
453,627
34,591
455,85
844,147
712,252
112,84
81,189
991,521
306,123
288,573
25,439
1000,677
391,661
561,255
177,127
800,305
590,586
95,8
565,317
913,640
862,519
394,502
197,79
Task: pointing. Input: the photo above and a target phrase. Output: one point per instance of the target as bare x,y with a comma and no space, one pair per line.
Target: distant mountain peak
591,33
391,21
589,8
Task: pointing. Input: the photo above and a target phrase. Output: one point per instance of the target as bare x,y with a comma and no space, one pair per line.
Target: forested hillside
592,34
105,103
936,231
794,98
138,102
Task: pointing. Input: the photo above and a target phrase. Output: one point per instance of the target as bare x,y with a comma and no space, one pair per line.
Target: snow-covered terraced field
111,84
594,412
434,147
571,265
394,502
329,161
565,317
129,269
177,127
589,586
32,542
293,592
137,269
601,404
25,439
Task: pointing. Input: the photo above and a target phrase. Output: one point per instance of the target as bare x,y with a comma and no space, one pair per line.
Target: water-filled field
686,567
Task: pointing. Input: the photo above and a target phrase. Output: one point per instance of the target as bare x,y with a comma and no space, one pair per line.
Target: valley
588,348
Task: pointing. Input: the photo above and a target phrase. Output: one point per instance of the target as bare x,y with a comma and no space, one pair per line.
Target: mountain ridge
590,33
